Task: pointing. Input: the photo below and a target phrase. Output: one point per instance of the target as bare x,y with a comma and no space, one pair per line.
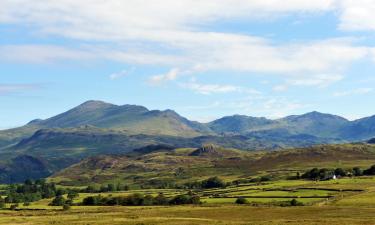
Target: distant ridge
135,119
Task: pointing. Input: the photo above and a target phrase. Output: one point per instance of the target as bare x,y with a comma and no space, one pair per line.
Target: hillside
161,167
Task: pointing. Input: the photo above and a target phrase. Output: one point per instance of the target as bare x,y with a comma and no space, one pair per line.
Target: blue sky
204,59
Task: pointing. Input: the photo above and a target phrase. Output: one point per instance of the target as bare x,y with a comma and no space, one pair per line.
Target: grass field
344,201
221,214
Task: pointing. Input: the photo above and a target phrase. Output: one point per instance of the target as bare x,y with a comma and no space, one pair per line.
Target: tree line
141,200
325,174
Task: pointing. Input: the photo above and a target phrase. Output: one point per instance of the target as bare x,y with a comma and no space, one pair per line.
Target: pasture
343,201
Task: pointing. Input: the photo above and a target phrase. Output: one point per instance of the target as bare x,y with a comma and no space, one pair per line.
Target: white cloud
208,89
357,14
320,80
118,75
13,88
42,53
260,105
358,91
150,32
169,76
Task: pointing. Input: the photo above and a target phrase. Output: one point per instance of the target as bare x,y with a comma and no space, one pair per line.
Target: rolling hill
165,166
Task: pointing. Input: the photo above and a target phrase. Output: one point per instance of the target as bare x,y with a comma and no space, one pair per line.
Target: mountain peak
94,104
315,115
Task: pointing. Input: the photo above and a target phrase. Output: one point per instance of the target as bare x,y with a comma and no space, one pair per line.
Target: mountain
99,128
239,124
23,167
130,118
315,123
360,130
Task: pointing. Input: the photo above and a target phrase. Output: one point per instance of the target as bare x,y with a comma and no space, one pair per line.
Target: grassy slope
230,164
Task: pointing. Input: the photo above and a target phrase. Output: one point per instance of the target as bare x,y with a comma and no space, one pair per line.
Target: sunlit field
343,201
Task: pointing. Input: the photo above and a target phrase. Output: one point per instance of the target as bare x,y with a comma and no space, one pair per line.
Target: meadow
342,201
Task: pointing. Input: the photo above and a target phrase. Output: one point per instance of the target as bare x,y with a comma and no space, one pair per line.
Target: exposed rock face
207,150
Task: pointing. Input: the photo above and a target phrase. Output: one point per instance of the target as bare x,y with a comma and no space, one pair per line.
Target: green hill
190,164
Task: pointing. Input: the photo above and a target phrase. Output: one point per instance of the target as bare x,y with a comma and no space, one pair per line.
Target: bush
213,182
66,207
58,201
294,202
370,171
340,172
357,171
2,203
14,207
241,201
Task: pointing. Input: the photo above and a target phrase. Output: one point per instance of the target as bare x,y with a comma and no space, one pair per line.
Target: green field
343,201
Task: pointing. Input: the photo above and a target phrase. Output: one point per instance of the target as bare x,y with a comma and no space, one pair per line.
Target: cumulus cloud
154,33
357,14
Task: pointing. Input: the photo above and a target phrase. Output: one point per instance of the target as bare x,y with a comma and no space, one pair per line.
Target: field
343,201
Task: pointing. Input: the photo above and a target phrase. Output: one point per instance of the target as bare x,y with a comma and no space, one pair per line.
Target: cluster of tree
106,188
212,182
324,173
293,202
60,200
31,191
141,200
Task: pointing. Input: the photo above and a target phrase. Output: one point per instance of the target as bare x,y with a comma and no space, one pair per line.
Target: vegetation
31,191
140,200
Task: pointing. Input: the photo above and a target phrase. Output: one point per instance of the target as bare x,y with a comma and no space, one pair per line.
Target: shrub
340,172
13,206
241,201
294,202
370,171
357,171
213,182
66,207
58,201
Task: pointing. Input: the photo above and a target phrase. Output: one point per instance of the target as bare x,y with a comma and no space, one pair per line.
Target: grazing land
342,201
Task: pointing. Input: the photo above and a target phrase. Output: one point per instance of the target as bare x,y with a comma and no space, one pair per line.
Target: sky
204,59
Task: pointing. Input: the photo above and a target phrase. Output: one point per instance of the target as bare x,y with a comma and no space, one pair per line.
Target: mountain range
97,128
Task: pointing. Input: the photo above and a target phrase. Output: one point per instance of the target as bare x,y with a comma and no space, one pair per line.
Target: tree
370,171
357,171
241,201
72,195
340,172
161,200
91,200
58,201
213,182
